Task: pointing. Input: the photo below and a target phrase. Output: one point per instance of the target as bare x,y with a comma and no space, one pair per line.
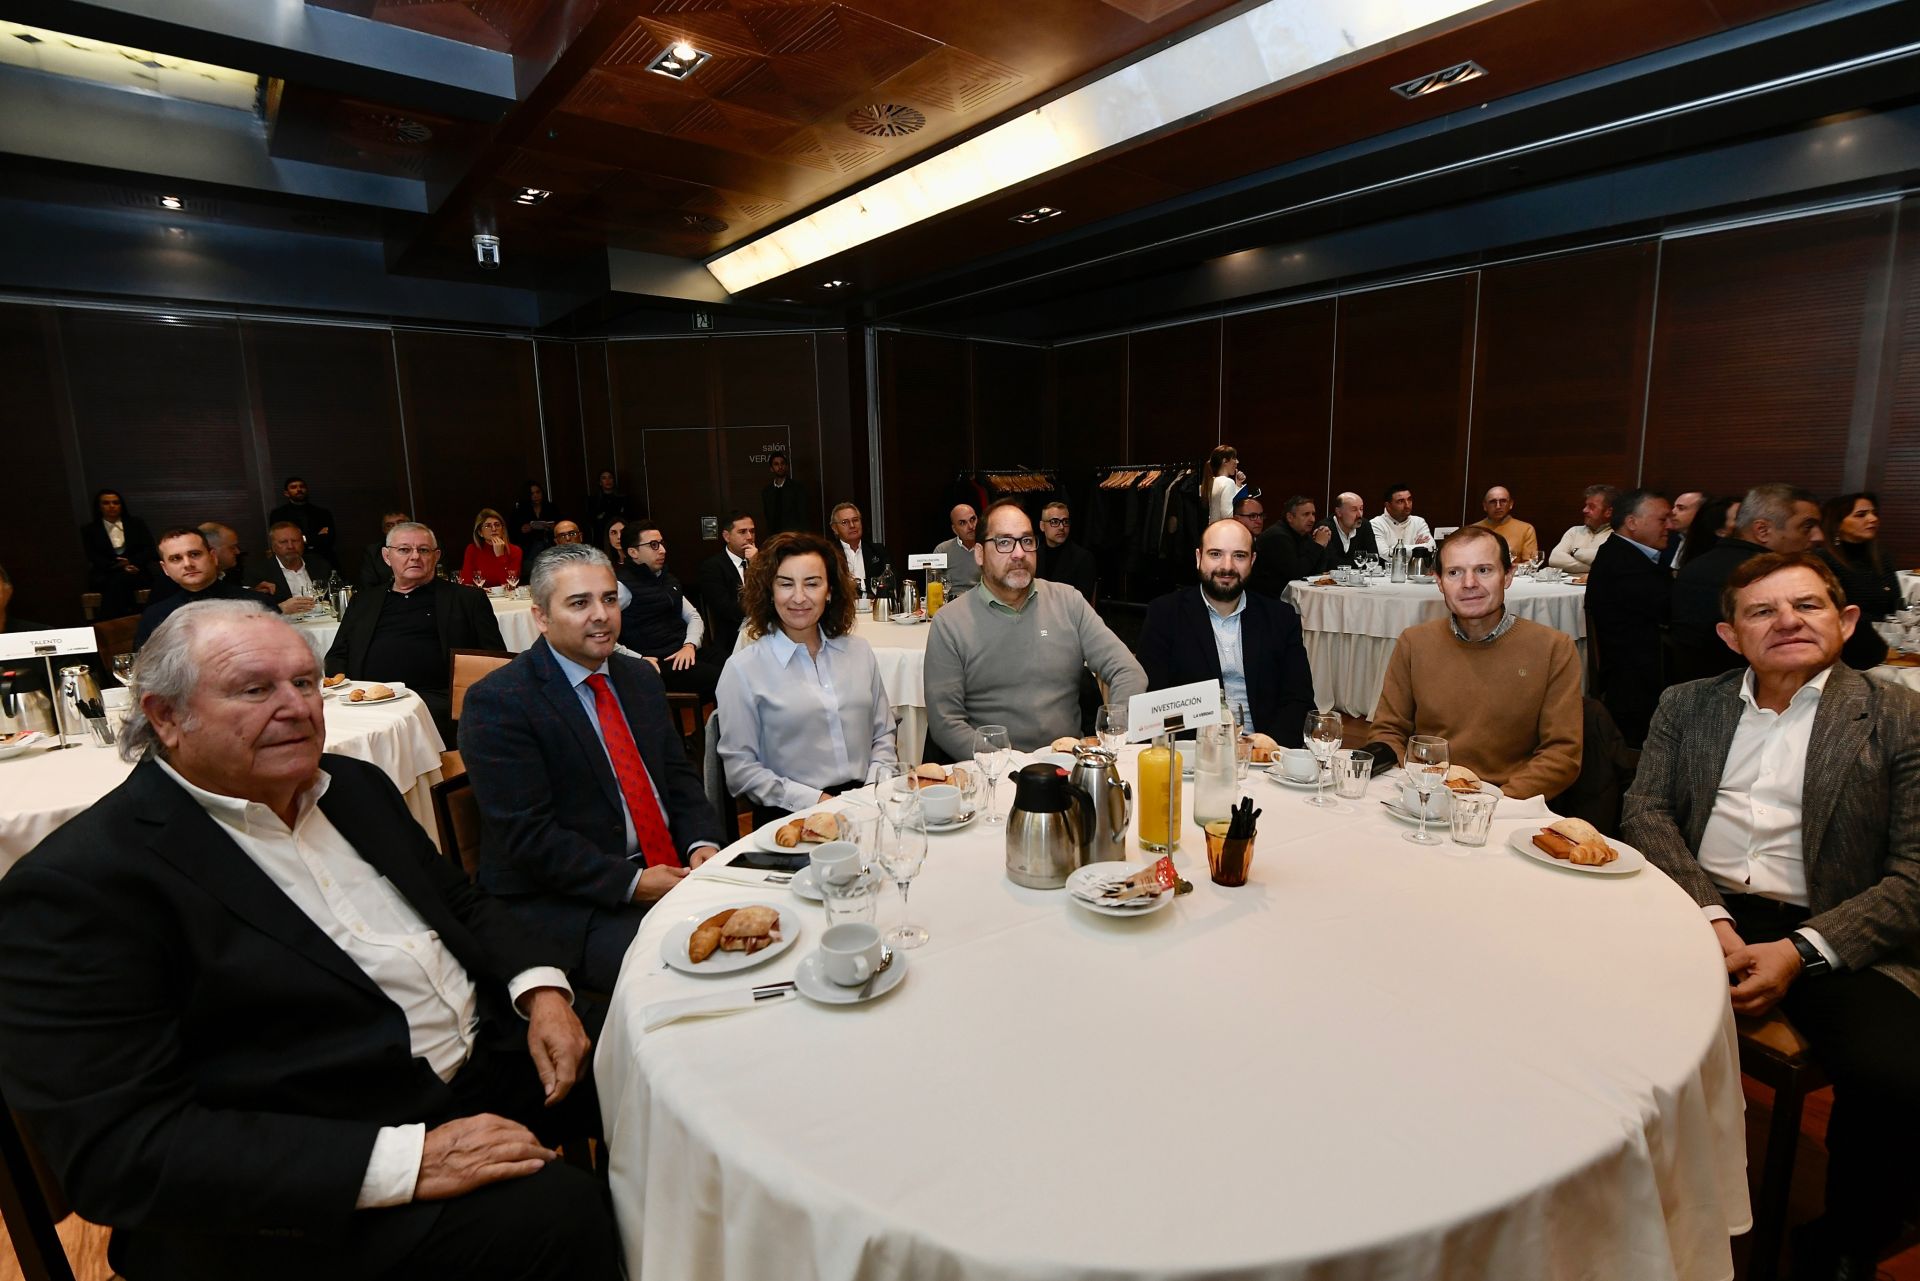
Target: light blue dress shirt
792,725
1651,553
1233,661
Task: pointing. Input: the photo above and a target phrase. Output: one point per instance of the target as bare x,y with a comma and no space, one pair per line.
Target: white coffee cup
1299,764
1439,801
835,861
850,953
941,802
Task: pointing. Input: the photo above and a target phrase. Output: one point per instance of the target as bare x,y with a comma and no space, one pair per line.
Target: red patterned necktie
656,843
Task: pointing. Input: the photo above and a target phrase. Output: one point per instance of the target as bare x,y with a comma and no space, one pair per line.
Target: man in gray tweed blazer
1785,798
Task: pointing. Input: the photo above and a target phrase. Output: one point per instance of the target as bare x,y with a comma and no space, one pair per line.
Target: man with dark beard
1217,630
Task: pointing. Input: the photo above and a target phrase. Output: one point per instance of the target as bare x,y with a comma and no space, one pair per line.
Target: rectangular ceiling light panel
140,70
1247,53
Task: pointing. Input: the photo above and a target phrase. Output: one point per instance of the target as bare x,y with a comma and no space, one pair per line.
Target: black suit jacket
1072,564
374,571
554,841
874,554
1629,599
311,520
720,597
1280,556
103,562
1363,544
789,506
464,618
317,570
205,1069
1698,651
1176,647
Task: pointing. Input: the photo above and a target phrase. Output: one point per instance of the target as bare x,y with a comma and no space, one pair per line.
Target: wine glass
1426,767
992,749
1324,730
123,669
903,849
513,580
892,784
1110,723
860,823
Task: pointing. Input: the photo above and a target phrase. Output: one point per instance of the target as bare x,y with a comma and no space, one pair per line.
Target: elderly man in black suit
404,632
1298,547
866,560
592,810
295,578
1629,599
1350,533
1773,518
261,1028
1784,797
720,577
1218,630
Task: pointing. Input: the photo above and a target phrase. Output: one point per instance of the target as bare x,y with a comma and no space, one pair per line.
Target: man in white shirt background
295,578
1397,524
866,560
1574,552
719,579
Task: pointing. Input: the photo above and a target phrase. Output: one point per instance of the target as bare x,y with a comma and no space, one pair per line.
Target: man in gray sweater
1012,653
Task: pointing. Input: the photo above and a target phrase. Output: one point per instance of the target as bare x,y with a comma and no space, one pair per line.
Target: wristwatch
1812,964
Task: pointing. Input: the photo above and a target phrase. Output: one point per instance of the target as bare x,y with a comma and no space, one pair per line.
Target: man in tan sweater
1502,690
1522,542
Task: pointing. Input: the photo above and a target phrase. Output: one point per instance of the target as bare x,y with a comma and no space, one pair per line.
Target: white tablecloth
41,790
901,653
1909,585
1375,1060
1349,631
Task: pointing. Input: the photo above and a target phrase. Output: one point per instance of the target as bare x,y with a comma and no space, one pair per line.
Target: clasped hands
1762,972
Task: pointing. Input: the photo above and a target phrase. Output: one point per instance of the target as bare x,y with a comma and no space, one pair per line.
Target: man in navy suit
591,809
1218,630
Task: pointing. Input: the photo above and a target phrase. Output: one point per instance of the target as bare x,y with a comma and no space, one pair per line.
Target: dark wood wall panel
770,380
654,383
1089,382
324,400
39,542
838,362
1756,351
1401,384
473,427
596,412
925,406
1897,476
560,420
1009,405
1173,393
1277,398
160,411
1560,380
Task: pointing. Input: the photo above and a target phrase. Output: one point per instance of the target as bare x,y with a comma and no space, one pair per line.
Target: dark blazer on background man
720,597
461,614
311,520
788,506
1176,648
204,1068
554,840
874,554
1072,564
1280,556
1629,599
1698,651
103,562
1363,544
374,570
317,569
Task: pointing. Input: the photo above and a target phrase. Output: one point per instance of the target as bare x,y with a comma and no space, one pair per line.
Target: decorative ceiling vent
394,128
706,224
886,120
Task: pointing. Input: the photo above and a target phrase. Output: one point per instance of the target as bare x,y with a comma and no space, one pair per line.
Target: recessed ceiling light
835,284
1032,216
531,196
1434,82
172,202
679,62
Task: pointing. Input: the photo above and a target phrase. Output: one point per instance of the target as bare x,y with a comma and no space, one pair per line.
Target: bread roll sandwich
749,929
815,828
1462,779
1577,841
1265,747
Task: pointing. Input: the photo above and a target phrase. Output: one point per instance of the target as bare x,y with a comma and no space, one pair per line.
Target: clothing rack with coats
1032,487
1142,521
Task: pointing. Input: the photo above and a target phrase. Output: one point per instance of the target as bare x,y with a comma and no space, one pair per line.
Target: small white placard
55,641
928,560
1182,707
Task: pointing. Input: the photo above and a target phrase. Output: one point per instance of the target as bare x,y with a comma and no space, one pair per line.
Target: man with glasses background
657,621
403,631
1060,561
1012,653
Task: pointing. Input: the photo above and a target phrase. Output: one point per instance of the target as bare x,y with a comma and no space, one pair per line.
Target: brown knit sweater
1509,710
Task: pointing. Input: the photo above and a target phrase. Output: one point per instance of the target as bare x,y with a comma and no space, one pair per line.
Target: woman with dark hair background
1851,523
533,521
121,555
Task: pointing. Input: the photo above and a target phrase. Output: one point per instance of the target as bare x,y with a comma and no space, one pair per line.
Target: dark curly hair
756,594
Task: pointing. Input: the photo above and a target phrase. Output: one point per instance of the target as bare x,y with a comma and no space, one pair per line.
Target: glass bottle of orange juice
1157,796
936,594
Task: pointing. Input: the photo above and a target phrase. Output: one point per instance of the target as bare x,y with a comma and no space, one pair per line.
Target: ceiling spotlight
1032,216
835,284
531,196
172,202
1434,82
679,61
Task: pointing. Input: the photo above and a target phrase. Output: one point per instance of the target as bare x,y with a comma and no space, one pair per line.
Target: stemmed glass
1324,730
903,849
513,580
1426,766
860,823
1110,723
123,669
992,749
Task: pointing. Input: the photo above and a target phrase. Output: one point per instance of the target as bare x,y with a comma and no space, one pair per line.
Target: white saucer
673,948
815,986
906,620
1298,786
954,825
1093,872
32,740
802,884
1412,819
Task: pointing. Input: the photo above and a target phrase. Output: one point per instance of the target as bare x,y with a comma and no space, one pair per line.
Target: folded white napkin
1534,807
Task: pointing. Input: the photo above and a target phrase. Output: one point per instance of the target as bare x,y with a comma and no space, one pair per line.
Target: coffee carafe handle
1084,804
1126,806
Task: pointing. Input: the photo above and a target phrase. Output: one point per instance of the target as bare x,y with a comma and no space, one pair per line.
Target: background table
1374,1060
41,790
514,616
901,653
1350,631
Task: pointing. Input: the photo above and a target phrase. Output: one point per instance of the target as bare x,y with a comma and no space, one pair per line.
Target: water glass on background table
1472,817
992,750
1427,761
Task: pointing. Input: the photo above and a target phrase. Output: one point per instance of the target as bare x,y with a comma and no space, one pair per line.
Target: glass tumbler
1472,817
853,898
1352,771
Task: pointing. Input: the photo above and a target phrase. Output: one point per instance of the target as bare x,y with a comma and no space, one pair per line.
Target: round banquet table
41,790
1349,631
900,650
514,616
1909,586
1374,1060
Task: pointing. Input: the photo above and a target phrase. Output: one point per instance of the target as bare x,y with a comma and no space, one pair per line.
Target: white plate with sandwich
798,833
1575,845
729,940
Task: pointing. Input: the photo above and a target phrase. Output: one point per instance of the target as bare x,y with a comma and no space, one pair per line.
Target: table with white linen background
515,617
1349,631
1909,586
1375,1059
41,790
900,651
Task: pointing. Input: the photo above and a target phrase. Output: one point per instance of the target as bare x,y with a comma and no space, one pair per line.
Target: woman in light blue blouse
803,715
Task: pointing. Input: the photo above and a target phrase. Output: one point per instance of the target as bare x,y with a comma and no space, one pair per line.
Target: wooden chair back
1773,1052
30,1205
115,636
90,604
469,667
456,817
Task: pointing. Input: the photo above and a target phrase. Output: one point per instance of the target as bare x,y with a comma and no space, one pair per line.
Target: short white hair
168,669
406,526
548,564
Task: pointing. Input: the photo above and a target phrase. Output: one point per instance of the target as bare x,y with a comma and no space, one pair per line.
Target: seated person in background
1574,552
1850,525
121,555
229,561
963,571
1218,630
1060,561
1351,532
1294,548
720,579
803,715
261,1028
1252,513
490,559
1629,599
1685,507
866,560
657,621
533,520
294,579
315,522
1523,544
1396,523
1772,518
374,570
186,558
1012,653
591,809
605,507
567,531
404,632
1503,690
1783,798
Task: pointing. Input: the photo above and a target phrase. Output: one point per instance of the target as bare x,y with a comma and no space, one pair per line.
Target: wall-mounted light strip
1245,54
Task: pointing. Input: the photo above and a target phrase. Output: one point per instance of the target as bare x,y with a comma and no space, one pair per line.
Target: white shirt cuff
539,976
1715,912
1819,945
393,1168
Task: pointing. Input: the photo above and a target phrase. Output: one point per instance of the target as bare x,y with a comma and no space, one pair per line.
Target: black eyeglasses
1055,522
653,544
1005,545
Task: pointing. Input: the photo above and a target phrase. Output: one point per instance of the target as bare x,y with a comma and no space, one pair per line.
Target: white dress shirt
1574,552
856,561
1387,532
739,565
381,932
792,725
116,533
1752,841
299,581
1233,661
